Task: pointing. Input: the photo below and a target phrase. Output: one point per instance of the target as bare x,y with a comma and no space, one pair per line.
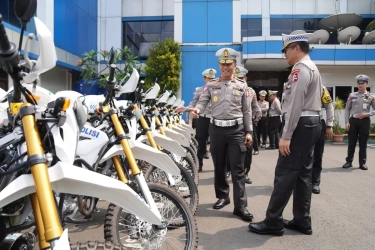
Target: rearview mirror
25,10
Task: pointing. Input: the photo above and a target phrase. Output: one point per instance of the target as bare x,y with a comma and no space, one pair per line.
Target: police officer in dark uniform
262,124
357,120
274,120
230,131
204,118
300,133
319,146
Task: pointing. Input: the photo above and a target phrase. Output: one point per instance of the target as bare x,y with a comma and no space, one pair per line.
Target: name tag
365,106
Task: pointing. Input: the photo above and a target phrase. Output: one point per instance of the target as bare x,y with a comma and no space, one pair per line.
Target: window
356,89
343,92
7,12
139,32
251,27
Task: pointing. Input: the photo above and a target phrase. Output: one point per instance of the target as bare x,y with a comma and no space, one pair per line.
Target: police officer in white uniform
274,120
300,133
262,124
230,131
357,120
240,73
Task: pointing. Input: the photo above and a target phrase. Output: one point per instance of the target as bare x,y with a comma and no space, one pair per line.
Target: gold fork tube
161,129
120,171
148,133
42,182
43,244
125,145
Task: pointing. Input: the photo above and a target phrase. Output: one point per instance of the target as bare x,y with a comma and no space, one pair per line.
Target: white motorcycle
42,153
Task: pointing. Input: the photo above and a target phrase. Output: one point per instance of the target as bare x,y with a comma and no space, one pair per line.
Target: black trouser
227,144
359,130
248,160
255,144
204,124
195,125
273,130
318,155
293,172
262,130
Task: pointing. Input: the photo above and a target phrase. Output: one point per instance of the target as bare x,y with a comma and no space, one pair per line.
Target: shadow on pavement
253,191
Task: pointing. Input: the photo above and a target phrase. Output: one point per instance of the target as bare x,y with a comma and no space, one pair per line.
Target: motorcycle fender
63,242
176,136
67,178
169,144
146,153
182,131
188,128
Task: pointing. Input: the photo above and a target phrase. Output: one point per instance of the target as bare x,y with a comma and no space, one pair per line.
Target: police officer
319,146
357,120
230,131
300,133
240,73
256,118
274,120
262,124
204,118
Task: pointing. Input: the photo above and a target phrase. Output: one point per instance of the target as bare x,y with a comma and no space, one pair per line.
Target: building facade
74,25
201,27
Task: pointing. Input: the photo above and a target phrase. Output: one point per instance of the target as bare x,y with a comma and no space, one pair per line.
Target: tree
89,64
371,26
164,64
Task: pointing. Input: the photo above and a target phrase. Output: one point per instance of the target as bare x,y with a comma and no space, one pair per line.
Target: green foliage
164,64
89,64
371,26
339,106
372,129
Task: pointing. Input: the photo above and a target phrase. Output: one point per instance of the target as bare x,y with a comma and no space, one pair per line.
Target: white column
45,12
178,21
343,6
266,26
236,21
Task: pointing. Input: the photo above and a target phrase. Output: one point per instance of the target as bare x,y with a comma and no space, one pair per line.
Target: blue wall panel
197,59
59,23
370,54
257,47
274,47
220,26
323,54
350,54
75,25
194,22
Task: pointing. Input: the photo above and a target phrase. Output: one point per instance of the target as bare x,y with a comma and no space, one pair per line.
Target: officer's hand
329,133
180,109
195,111
248,140
347,126
195,115
284,147
362,115
255,123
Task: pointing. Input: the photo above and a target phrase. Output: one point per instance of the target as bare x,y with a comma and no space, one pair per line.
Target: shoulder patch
295,71
295,77
204,89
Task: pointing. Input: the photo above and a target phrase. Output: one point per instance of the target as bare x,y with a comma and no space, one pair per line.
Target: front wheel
180,230
184,184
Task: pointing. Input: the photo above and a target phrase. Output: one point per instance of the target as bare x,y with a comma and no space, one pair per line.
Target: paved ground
343,215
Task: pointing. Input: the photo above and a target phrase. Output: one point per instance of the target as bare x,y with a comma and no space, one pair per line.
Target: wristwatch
328,126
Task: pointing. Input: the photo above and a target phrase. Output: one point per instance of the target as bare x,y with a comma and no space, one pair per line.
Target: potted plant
338,136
